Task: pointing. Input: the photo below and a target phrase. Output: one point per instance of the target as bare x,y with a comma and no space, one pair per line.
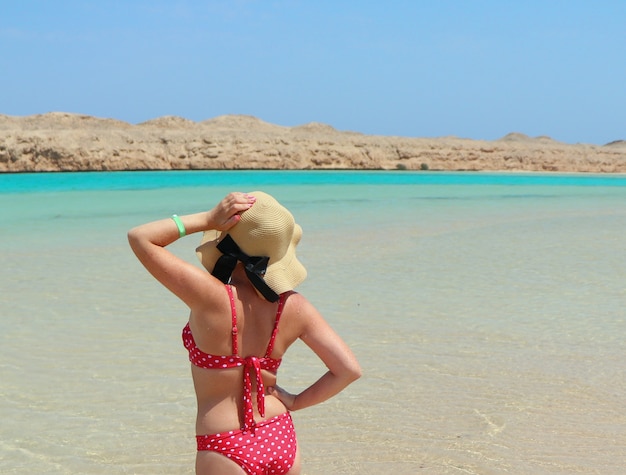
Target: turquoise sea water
487,310
29,182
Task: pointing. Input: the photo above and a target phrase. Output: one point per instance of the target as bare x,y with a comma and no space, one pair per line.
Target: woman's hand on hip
288,399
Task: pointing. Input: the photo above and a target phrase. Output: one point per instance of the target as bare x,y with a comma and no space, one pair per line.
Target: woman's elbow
136,235
353,372
134,240
358,372
132,234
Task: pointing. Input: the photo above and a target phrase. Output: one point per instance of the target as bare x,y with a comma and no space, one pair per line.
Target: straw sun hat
265,240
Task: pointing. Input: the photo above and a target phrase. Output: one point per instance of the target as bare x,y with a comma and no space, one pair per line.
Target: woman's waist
226,414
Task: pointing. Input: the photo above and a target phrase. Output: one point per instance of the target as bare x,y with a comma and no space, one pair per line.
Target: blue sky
422,68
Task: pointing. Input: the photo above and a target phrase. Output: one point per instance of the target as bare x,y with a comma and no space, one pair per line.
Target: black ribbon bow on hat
255,267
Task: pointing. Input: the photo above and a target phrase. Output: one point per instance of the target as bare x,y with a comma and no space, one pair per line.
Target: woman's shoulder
297,315
294,300
297,306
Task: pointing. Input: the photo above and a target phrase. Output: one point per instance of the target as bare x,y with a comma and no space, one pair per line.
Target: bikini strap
279,312
233,313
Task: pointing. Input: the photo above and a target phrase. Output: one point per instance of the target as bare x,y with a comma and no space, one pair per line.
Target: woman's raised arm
148,242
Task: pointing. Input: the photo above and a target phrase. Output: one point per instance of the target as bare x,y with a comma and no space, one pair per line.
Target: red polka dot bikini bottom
270,448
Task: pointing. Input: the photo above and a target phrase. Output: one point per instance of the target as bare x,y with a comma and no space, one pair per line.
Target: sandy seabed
489,322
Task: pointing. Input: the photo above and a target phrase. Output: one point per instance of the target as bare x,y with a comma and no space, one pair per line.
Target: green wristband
179,224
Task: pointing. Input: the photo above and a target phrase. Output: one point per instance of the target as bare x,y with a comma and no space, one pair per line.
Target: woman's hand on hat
227,212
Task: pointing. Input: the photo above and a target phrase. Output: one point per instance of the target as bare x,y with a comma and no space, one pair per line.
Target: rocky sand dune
71,142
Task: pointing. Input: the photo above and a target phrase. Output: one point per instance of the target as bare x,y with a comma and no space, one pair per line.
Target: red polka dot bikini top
251,364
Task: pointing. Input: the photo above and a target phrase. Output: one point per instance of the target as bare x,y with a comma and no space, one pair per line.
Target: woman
244,315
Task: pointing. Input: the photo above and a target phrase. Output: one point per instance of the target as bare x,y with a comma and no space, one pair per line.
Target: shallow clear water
488,314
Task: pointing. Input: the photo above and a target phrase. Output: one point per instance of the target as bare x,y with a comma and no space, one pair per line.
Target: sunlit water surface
489,320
